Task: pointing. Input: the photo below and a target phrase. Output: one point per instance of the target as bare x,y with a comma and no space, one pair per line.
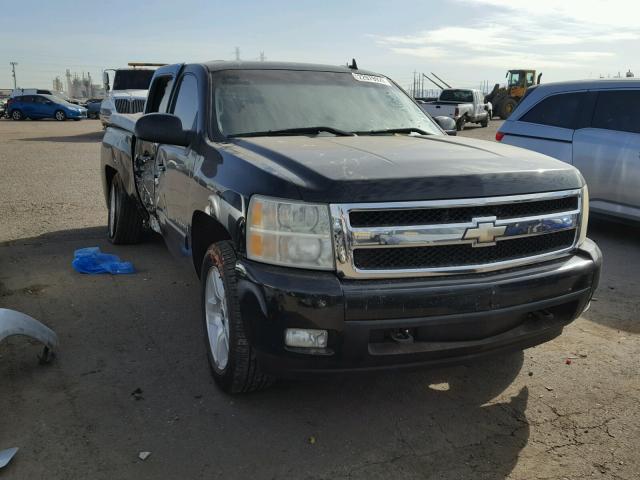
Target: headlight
584,220
295,234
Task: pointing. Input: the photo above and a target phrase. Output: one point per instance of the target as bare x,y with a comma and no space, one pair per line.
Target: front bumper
76,114
452,319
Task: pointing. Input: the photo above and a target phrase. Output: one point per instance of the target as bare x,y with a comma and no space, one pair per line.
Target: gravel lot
526,416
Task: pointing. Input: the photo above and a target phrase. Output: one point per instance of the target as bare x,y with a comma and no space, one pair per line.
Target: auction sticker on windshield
371,79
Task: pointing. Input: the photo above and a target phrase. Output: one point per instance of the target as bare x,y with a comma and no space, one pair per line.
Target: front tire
508,106
125,223
485,122
60,116
232,359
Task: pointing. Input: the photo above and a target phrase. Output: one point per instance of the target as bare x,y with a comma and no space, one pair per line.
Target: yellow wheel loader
504,100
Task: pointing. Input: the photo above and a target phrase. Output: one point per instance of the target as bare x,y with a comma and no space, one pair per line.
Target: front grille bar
486,231
454,233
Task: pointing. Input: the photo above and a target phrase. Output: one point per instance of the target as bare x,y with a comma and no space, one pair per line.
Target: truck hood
400,167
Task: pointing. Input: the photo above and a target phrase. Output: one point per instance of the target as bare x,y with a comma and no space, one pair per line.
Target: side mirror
447,124
105,81
162,128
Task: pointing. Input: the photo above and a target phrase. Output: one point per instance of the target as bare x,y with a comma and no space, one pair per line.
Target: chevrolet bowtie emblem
485,232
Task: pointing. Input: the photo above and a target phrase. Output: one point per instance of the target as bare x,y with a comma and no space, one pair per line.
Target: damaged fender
16,323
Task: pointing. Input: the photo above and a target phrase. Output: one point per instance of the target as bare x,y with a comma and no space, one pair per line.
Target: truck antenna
354,65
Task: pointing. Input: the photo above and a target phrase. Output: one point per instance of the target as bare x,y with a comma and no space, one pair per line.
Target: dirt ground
524,416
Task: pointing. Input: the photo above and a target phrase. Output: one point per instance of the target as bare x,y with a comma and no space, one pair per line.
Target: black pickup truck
335,227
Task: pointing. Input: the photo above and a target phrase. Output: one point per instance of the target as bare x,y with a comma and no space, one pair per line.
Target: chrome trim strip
347,238
454,233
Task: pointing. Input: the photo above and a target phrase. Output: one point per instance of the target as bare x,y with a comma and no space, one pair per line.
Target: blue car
44,106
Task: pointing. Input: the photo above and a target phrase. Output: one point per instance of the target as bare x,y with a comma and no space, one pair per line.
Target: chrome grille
453,236
122,105
126,105
137,105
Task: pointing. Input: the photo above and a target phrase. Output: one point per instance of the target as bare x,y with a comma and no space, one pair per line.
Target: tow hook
401,335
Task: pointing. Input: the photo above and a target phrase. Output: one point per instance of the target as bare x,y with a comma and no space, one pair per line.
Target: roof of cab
218,65
592,84
538,92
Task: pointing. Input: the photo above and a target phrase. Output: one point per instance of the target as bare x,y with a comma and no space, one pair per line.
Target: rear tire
125,222
461,124
60,116
232,359
17,115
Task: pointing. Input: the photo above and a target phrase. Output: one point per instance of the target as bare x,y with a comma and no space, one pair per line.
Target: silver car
593,125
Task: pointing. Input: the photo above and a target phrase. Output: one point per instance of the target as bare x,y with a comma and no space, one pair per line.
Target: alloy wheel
217,318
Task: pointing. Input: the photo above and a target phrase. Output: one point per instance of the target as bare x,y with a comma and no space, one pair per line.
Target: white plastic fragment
144,455
17,323
6,456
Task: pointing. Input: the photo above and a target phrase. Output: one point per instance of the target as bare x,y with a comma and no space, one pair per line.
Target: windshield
132,79
456,96
248,101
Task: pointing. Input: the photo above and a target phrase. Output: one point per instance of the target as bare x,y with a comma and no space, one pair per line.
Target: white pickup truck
129,91
463,105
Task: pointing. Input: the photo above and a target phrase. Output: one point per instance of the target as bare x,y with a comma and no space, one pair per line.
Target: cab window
618,110
562,110
529,79
161,88
186,104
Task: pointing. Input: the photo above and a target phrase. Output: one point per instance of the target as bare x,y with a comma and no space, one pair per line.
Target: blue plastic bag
92,261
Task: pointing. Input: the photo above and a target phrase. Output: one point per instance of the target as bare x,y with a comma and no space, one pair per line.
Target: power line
13,68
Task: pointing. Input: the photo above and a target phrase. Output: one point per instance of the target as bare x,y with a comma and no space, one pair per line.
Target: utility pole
237,54
262,57
413,90
13,68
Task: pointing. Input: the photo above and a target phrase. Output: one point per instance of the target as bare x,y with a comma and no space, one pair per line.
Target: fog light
305,338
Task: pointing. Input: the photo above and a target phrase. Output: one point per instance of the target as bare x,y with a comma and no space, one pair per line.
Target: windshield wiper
295,131
395,130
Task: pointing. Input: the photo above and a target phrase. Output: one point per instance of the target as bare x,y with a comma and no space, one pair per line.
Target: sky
465,42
